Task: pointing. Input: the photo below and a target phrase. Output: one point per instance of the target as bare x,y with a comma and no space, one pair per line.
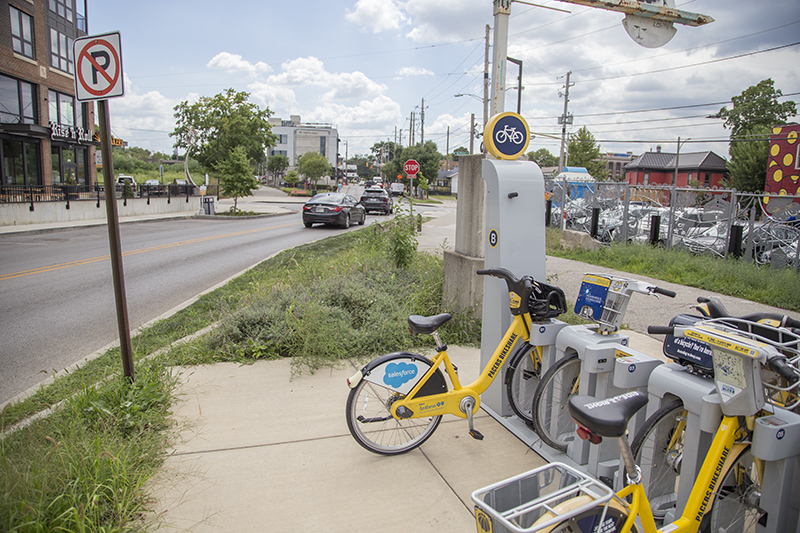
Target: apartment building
295,138
45,133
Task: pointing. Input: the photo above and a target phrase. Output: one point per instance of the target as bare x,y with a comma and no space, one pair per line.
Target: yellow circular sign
506,135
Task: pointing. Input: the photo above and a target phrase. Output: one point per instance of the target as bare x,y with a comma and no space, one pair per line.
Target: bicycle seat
427,324
609,417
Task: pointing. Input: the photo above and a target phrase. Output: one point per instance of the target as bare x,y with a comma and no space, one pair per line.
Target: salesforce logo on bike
399,373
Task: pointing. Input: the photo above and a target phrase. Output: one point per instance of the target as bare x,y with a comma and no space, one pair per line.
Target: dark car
333,208
377,199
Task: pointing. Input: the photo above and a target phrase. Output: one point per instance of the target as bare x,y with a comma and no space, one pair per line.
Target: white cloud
378,15
271,95
448,20
310,71
143,119
414,71
235,62
380,113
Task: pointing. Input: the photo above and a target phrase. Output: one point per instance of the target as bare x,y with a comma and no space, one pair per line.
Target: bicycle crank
466,406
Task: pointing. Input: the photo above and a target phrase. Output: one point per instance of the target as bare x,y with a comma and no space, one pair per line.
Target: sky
365,65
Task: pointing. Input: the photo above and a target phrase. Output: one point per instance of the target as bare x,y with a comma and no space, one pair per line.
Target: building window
21,32
63,111
322,145
20,163
279,152
17,103
283,138
707,180
60,51
63,8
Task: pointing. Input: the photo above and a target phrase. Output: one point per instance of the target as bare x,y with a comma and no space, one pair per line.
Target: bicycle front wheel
522,380
736,502
372,425
658,449
551,418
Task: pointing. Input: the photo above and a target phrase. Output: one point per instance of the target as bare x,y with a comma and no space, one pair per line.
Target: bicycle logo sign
506,135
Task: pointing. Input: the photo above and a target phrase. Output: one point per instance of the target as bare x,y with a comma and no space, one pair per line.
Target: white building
296,138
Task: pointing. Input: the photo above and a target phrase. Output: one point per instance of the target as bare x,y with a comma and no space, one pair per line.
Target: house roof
687,161
446,174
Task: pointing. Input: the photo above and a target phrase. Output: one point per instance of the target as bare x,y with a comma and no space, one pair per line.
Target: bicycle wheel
658,450
735,508
551,418
522,379
372,425
590,520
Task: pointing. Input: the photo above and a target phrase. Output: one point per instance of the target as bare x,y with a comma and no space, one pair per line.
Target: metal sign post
98,76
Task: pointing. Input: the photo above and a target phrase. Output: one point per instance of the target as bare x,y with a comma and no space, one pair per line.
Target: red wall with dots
783,172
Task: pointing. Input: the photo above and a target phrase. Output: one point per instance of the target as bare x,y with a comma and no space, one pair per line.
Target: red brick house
658,168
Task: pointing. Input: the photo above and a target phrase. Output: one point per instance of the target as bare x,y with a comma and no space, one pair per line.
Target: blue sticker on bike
399,373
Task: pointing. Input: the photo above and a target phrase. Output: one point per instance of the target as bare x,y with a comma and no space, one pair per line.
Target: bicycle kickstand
467,405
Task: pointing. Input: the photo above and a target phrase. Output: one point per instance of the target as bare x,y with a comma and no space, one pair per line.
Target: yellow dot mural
775,150
788,159
782,175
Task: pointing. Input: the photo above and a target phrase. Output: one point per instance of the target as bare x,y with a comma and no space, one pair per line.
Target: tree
384,151
236,176
757,106
749,158
584,151
427,155
211,128
313,165
754,113
277,165
543,158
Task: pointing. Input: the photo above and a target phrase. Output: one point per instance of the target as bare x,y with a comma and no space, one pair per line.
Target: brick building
705,169
45,133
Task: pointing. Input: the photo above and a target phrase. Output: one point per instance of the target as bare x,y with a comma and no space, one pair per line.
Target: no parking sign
98,67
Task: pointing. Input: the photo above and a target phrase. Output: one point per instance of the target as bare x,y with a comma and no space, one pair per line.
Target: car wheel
346,223
363,219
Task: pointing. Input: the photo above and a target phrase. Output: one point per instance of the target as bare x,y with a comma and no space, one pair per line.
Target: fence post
626,212
548,211
595,222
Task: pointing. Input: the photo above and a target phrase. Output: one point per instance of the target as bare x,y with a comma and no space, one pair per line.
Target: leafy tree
313,165
292,178
584,151
757,106
749,158
427,155
543,158
277,165
236,176
384,151
754,113
211,128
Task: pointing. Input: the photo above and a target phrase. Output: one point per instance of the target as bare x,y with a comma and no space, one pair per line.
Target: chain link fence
720,222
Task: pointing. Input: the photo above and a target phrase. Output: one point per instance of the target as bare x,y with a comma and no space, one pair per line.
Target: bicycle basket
546,301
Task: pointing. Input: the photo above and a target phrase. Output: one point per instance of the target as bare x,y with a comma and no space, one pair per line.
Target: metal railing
721,222
33,194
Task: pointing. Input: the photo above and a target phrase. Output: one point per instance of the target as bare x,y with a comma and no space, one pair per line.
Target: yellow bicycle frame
449,402
718,461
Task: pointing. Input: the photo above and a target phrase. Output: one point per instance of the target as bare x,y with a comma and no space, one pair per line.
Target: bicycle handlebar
661,330
665,292
716,309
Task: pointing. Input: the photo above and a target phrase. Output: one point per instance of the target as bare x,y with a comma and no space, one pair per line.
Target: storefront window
80,154
55,164
32,164
66,110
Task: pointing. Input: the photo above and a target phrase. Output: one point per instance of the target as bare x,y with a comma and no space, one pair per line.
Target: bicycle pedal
475,434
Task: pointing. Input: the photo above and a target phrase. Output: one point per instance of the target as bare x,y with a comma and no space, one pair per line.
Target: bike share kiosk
515,236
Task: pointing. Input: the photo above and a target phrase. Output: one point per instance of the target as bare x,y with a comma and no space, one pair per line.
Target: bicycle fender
401,371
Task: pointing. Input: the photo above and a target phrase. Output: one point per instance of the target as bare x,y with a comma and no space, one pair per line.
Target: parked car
153,187
397,189
377,199
333,208
123,180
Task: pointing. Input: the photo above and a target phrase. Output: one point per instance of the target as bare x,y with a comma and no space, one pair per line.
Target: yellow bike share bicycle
726,493
397,401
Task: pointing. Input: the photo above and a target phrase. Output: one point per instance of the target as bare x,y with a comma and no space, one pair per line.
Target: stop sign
411,167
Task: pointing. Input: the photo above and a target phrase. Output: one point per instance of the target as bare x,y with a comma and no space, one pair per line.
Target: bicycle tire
551,418
659,453
735,503
589,520
389,436
522,380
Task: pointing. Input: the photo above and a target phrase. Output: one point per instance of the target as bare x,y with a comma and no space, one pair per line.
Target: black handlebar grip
779,365
665,292
703,299
792,323
661,330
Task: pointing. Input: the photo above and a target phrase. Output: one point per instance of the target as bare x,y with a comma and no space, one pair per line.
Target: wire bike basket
533,501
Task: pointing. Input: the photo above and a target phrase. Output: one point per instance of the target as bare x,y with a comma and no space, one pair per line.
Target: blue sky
365,65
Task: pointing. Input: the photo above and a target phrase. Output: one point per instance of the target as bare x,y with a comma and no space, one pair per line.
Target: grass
732,277
83,467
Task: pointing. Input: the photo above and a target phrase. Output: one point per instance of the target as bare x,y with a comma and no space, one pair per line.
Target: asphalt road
56,289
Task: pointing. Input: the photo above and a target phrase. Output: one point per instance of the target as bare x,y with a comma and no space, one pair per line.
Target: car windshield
327,198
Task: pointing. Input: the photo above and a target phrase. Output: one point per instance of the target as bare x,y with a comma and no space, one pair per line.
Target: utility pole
564,120
448,147
422,123
472,133
502,10
486,81
411,131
